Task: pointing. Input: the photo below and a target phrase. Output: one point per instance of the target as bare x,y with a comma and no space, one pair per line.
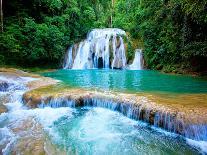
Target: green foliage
174,31
37,32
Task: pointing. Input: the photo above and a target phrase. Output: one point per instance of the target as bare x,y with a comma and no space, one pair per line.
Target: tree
2,25
38,32
174,31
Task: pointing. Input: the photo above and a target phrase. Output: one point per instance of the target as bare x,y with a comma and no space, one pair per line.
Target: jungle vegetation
172,33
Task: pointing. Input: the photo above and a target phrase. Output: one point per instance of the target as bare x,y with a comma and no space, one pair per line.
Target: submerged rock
3,108
3,85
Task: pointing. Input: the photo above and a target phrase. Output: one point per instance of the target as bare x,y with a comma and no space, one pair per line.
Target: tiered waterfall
103,48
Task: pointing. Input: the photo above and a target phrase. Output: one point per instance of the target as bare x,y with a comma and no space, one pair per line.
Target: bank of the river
177,69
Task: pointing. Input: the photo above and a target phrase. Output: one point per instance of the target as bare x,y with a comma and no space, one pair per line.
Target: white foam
94,52
17,80
99,33
138,61
7,138
48,116
200,145
28,79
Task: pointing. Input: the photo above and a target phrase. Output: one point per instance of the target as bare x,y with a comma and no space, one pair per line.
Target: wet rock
3,108
33,139
23,135
41,82
166,114
3,85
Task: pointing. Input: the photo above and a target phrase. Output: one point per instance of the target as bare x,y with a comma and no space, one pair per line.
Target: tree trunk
2,26
112,11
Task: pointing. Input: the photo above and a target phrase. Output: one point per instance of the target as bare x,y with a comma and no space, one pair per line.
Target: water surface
130,81
101,131
89,130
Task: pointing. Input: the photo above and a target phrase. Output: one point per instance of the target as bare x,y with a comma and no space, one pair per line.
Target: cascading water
195,134
119,60
138,61
94,52
68,59
72,129
22,129
82,57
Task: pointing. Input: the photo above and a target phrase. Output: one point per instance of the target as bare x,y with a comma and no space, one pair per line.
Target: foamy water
18,116
85,130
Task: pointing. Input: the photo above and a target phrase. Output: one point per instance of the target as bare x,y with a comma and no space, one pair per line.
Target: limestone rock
154,110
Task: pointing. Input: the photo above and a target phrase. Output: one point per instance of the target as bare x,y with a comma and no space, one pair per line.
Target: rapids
74,130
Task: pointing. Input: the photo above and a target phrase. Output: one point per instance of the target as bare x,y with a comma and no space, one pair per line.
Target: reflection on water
130,81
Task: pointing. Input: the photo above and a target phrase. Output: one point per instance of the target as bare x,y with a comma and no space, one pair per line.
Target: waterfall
68,58
169,121
138,61
119,60
98,50
82,57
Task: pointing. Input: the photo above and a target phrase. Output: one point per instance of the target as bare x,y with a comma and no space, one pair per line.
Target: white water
82,57
19,114
98,130
119,60
69,60
15,124
138,61
94,52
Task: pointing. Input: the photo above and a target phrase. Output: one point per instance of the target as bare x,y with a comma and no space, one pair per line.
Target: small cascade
81,60
169,121
57,103
138,61
119,60
103,48
68,59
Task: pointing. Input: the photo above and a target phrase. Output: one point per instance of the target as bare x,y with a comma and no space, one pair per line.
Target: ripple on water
101,131
130,81
82,131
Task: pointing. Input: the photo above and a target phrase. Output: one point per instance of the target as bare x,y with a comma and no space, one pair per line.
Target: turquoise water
130,81
101,131
90,131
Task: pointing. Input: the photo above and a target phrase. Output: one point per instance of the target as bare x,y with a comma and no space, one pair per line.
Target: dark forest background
172,33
